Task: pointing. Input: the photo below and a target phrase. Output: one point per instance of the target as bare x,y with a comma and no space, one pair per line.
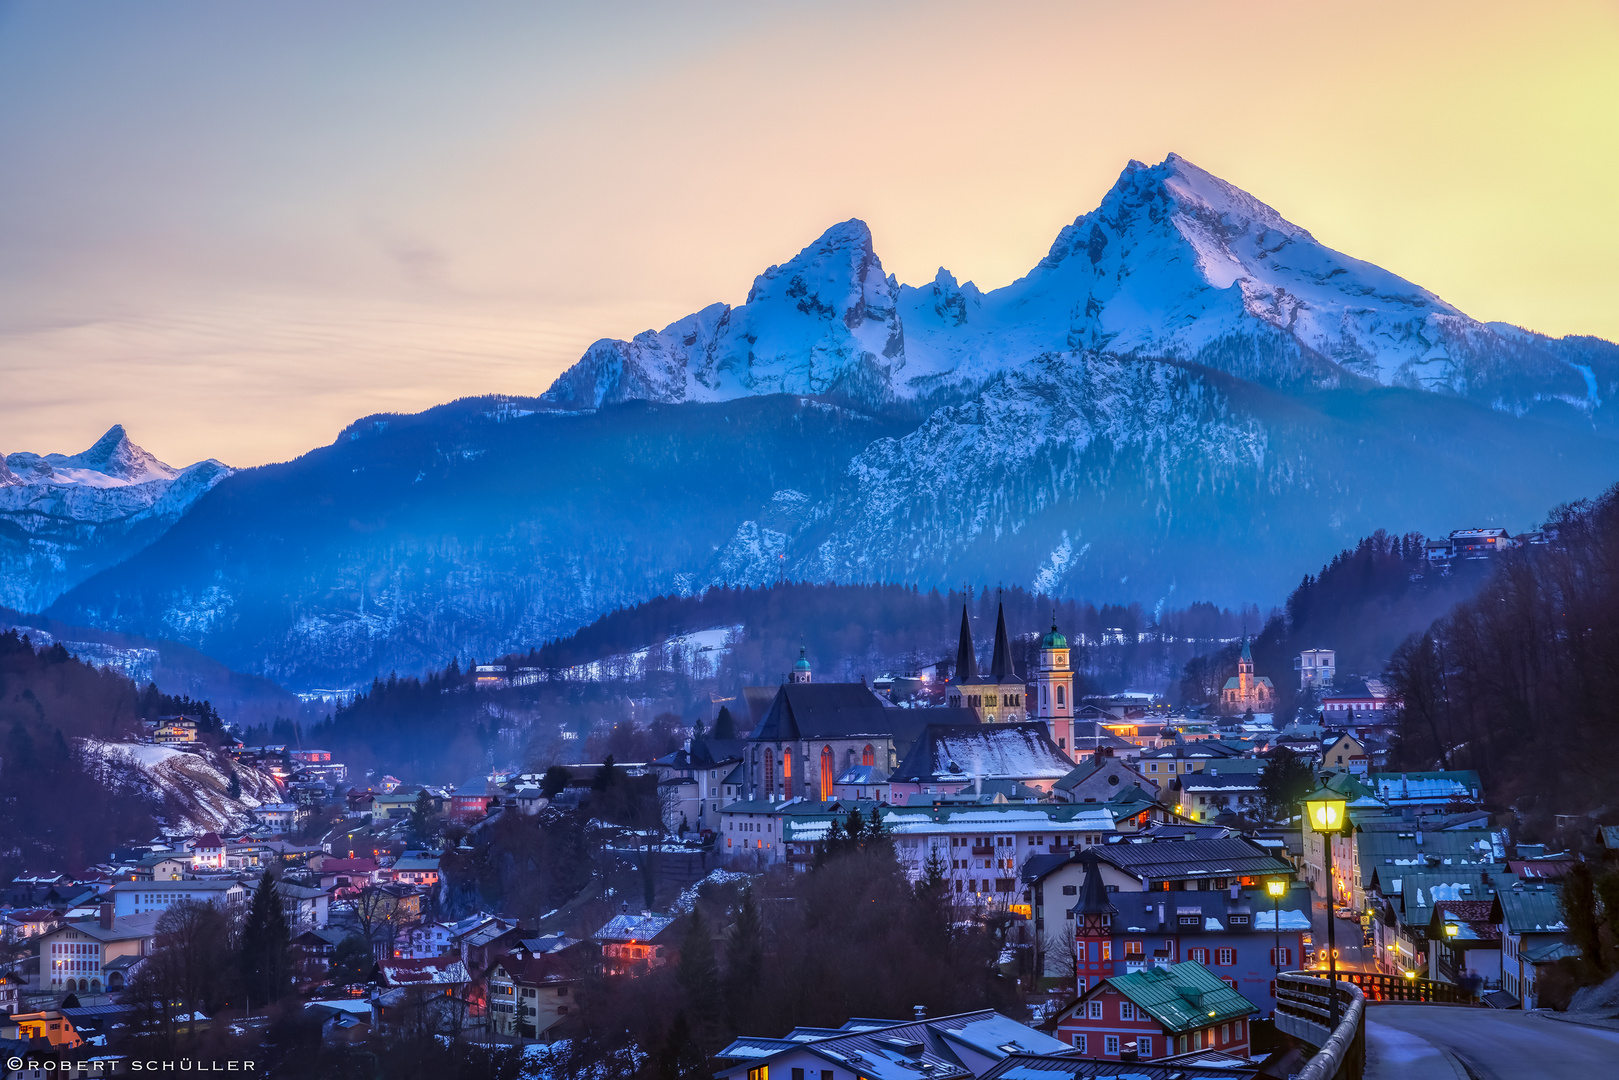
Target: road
1437,1042
1352,956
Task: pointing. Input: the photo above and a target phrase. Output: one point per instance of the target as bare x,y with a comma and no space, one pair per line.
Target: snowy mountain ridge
1175,263
72,514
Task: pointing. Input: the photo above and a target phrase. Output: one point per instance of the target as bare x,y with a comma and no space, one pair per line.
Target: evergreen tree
1579,905
744,962
266,948
235,789
556,778
421,816
699,978
724,724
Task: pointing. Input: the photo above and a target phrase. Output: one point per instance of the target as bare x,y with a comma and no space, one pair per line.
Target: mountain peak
114,455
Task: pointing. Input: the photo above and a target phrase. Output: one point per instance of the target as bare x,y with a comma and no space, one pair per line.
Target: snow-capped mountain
1175,263
1189,398
66,516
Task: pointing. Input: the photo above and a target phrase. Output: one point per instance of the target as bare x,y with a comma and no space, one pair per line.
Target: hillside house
1162,1011
631,944
1529,918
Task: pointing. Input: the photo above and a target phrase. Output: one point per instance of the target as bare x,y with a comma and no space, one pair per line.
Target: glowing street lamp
1277,888
1324,809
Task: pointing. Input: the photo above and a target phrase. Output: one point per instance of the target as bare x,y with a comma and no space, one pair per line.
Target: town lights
1452,929
1411,975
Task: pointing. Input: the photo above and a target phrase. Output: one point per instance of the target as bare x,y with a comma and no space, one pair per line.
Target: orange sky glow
235,230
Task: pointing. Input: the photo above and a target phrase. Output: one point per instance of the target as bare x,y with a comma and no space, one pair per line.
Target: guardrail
1304,1011
1382,987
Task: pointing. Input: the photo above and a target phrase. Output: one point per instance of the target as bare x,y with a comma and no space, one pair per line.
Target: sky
236,228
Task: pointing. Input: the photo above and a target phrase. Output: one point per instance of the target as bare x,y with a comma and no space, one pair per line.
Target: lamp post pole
1277,954
1332,942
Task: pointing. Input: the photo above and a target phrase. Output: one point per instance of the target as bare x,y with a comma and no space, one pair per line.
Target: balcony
987,849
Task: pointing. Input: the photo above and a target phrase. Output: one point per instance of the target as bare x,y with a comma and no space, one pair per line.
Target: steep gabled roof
1000,664
956,752
966,663
826,710
1183,997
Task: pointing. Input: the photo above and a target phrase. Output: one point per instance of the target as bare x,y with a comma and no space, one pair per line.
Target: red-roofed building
471,800
208,853
528,997
347,873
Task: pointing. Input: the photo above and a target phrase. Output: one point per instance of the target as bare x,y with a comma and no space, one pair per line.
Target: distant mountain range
1188,398
65,516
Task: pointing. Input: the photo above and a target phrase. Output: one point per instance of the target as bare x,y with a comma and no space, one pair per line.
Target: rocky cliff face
65,516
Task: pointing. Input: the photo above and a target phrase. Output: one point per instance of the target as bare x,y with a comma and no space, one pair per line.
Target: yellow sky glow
243,284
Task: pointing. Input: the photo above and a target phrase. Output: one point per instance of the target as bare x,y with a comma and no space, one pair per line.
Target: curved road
1446,1042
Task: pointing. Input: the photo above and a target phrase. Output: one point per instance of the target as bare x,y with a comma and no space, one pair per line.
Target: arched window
770,772
787,769
826,772
1061,700
868,756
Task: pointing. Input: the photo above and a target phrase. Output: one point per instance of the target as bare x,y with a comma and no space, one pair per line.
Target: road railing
1304,1011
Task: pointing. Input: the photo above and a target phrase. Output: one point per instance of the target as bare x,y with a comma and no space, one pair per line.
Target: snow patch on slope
192,787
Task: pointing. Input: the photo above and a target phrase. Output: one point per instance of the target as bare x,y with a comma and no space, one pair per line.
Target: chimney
919,1012
1161,913
104,915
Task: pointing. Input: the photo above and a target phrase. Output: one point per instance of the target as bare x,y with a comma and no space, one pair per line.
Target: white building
1315,667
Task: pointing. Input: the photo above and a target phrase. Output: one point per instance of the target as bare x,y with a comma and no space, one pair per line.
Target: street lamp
1325,810
1277,888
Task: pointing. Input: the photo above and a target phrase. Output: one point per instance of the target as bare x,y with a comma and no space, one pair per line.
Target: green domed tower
1055,687
801,669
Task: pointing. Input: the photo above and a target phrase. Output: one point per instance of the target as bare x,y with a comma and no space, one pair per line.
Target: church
1243,692
998,697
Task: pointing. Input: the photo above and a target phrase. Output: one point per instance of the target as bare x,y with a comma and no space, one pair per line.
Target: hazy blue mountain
1188,398
65,516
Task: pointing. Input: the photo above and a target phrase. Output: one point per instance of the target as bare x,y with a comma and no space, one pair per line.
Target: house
175,731
277,815
1231,786
1315,668
160,866
1345,751
312,951
142,897
347,873
1402,898
1473,952
948,758
10,993
1163,1011
31,922
1163,765
1232,930
959,1047
1479,543
430,939
1439,788
482,939
1534,936
631,944
82,956
1097,778
712,768
862,782
472,799
418,870
1356,701
208,852
51,1026
983,848
528,997
305,906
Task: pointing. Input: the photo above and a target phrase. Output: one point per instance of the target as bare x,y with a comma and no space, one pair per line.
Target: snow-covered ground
698,654
193,786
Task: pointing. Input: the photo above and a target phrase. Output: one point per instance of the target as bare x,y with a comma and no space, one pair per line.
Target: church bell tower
1055,687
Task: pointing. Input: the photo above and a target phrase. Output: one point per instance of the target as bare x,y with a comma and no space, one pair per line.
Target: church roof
821,710
1054,640
966,662
1000,665
956,751
1247,653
